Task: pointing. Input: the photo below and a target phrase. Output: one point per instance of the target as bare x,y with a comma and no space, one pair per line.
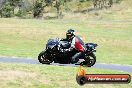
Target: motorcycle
55,52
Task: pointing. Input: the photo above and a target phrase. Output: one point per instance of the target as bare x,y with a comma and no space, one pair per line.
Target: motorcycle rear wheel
90,60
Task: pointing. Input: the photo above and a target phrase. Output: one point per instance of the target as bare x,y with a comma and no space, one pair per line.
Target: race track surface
124,68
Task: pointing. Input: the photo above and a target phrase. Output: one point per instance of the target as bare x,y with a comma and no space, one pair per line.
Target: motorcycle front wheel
43,58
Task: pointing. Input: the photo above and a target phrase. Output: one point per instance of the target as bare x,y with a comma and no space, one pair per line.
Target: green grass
44,76
27,37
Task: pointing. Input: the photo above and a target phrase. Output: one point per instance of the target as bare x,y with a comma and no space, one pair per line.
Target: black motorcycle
55,52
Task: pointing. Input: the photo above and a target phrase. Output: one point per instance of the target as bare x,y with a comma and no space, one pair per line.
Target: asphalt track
124,68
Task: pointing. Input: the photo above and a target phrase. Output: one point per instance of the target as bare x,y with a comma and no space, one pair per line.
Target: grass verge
44,76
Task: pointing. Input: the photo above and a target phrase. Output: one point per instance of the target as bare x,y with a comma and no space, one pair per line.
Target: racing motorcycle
55,52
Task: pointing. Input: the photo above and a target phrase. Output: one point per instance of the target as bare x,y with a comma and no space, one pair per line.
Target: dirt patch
25,77
11,75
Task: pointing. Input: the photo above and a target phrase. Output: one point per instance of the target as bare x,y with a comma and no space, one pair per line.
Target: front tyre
90,60
43,58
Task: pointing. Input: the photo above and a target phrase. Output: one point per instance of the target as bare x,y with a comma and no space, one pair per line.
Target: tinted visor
68,35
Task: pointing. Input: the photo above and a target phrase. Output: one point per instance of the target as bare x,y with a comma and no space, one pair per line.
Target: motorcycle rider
75,44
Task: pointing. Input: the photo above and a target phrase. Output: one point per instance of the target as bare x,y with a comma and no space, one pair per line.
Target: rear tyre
43,58
90,60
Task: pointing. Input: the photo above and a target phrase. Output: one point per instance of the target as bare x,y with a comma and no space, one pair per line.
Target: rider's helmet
70,34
